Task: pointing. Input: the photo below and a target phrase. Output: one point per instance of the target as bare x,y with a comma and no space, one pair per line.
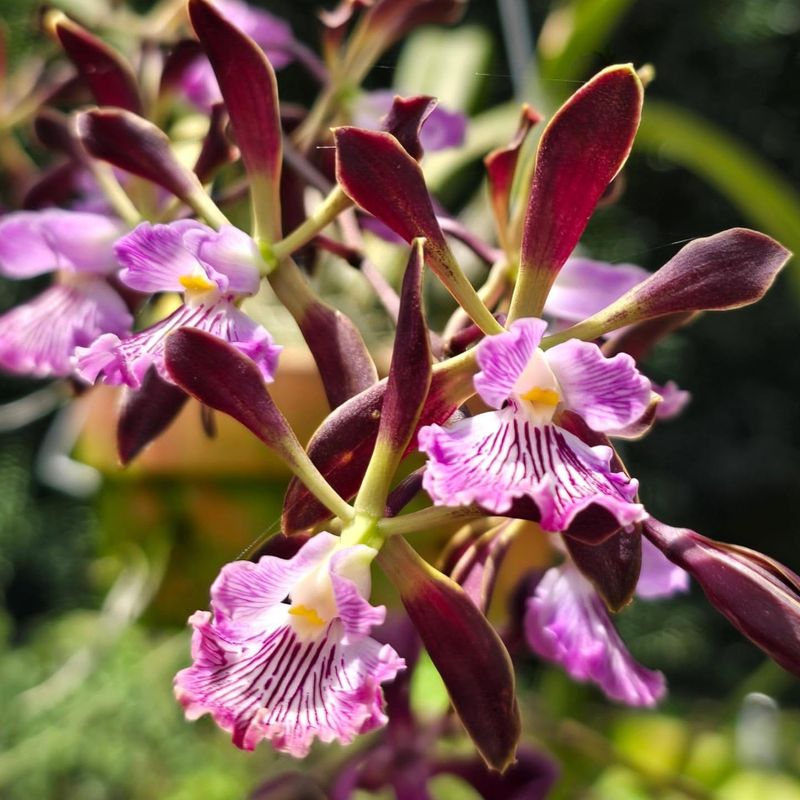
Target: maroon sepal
137,146
728,270
405,120
53,187
107,74
342,445
582,148
531,778
759,596
222,377
465,649
54,131
395,18
146,413
217,150
612,566
342,358
477,569
410,370
501,164
379,175
247,83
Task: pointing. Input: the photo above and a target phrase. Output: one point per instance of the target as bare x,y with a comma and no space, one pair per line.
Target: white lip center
536,391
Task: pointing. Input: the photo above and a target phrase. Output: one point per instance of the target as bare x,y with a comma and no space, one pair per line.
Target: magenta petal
493,458
584,287
154,257
35,242
673,400
267,683
230,252
39,338
126,362
350,591
659,576
567,623
609,393
503,358
246,593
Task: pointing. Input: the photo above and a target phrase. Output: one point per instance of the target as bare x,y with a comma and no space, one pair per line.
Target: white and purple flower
39,338
566,622
213,270
285,654
519,450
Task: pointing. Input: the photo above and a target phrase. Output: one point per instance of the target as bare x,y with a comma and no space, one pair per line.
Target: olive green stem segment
427,518
330,208
362,529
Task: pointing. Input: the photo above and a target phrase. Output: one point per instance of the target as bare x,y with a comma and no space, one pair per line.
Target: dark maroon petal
137,146
108,76
501,165
728,270
341,447
222,377
612,566
581,150
531,777
410,369
405,120
465,649
342,358
146,413
247,82
395,18
758,596
53,187
375,170
54,131
477,569
217,150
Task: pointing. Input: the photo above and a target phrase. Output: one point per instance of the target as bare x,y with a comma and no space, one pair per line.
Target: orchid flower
519,450
286,655
212,270
39,337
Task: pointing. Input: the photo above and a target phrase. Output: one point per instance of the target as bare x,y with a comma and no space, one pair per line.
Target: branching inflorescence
515,403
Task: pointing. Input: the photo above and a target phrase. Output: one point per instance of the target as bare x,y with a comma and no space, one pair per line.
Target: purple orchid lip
567,622
290,672
212,269
518,450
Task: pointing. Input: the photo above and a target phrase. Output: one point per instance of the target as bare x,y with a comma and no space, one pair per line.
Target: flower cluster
515,404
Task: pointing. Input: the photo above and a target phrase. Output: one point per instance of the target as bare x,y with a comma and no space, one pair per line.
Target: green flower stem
330,208
431,517
309,129
498,280
114,193
530,293
301,465
362,529
374,489
205,207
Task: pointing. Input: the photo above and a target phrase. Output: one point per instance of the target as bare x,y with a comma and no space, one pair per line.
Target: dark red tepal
759,596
